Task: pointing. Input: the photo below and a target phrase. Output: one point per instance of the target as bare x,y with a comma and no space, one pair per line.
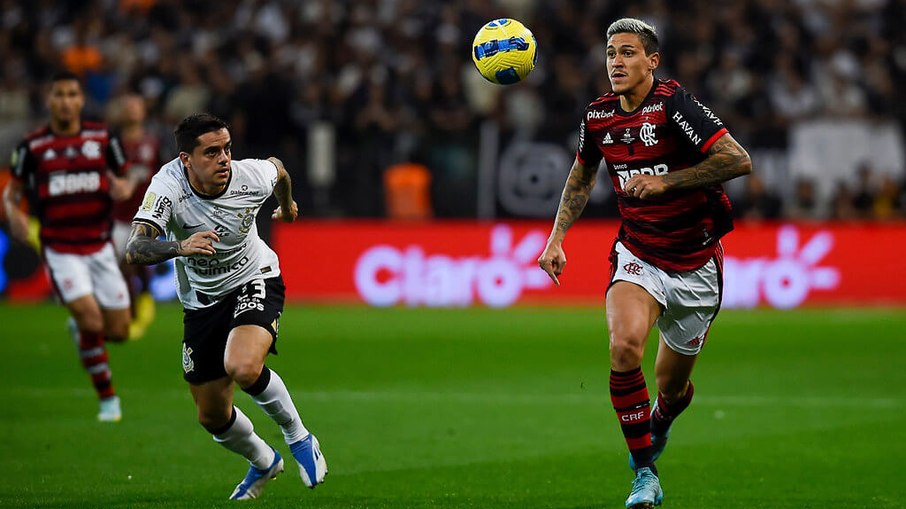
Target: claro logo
386,275
784,281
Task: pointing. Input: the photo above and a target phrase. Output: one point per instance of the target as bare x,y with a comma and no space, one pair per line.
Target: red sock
93,353
663,417
629,395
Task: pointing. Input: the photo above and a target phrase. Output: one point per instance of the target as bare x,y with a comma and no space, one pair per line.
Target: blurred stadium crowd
393,81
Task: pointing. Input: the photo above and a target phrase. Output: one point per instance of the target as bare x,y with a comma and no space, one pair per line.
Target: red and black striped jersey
671,130
144,153
66,181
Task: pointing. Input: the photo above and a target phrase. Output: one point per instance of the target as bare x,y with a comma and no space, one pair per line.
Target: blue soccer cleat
256,478
312,465
658,442
646,490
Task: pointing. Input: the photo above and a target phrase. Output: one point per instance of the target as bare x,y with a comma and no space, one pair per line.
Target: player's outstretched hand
287,216
199,243
553,260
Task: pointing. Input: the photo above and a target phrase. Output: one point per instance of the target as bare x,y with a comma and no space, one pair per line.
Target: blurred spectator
863,197
842,208
888,204
757,201
804,203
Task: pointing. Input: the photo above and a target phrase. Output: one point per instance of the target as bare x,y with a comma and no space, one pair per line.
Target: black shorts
205,331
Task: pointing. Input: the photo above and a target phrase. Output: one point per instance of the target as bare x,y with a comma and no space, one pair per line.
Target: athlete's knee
244,371
627,346
624,356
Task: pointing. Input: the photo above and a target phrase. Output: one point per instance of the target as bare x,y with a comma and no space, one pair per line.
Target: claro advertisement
494,264
468,263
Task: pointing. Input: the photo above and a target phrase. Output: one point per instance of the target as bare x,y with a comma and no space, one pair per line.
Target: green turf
469,408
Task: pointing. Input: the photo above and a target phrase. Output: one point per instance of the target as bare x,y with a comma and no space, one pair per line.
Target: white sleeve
157,206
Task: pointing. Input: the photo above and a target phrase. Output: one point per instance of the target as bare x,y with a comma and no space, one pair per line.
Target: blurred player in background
667,155
230,285
142,149
64,169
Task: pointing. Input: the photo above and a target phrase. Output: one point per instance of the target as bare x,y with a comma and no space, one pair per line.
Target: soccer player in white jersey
230,286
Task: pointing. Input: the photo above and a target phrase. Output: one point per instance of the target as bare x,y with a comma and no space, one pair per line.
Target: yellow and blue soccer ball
504,51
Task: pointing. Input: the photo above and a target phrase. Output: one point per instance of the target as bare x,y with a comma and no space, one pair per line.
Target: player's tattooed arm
283,191
726,160
575,196
143,247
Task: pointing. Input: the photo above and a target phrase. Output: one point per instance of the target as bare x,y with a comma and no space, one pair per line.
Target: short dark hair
65,76
193,126
646,32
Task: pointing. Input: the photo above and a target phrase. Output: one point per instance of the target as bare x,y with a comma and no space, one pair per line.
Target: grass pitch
469,408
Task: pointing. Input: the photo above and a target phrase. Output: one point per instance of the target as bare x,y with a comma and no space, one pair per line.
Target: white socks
240,438
278,404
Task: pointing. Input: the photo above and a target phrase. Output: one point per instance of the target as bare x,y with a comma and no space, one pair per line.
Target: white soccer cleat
312,465
110,410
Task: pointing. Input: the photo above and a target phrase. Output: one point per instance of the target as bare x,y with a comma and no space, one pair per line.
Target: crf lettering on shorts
213,266
71,183
658,169
636,416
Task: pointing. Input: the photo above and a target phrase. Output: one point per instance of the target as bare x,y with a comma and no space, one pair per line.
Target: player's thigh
247,348
631,313
254,327
634,299
110,287
214,401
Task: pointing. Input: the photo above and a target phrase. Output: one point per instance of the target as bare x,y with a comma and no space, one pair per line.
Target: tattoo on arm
726,160
143,247
283,190
575,195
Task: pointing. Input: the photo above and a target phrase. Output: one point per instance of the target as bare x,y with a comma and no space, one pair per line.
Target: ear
184,157
653,61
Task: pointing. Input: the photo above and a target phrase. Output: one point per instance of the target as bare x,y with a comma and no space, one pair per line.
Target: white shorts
690,299
97,274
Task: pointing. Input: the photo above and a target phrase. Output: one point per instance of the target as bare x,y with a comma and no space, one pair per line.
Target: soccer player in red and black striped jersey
667,155
71,171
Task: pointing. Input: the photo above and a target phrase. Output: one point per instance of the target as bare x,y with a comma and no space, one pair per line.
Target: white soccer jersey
172,206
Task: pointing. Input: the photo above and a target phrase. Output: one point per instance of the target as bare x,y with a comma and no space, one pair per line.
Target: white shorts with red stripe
98,274
690,300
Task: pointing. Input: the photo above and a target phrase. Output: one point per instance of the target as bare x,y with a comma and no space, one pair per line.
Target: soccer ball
504,51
